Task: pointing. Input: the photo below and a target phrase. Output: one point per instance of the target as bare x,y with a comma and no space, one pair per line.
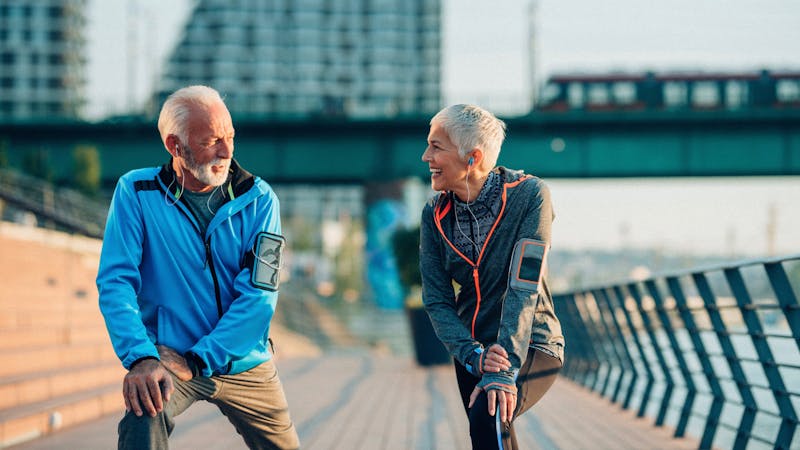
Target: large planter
428,349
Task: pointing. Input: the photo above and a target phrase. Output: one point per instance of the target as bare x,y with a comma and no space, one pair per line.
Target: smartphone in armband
527,264
268,260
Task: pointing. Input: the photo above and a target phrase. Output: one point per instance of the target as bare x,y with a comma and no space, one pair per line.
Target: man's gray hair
174,116
469,127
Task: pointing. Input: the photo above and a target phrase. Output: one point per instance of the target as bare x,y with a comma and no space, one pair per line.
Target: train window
550,93
575,95
735,94
675,94
598,94
705,94
787,91
624,93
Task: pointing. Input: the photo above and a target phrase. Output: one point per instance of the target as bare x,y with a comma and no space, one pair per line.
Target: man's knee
144,432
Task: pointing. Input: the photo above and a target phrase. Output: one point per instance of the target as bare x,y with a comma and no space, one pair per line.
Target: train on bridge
671,91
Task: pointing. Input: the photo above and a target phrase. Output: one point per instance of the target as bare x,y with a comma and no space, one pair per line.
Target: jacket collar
509,177
240,180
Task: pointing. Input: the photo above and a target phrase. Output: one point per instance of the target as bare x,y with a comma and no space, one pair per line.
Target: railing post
614,337
786,298
618,292
791,309
765,357
677,352
579,344
750,406
611,341
712,420
598,340
627,364
633,288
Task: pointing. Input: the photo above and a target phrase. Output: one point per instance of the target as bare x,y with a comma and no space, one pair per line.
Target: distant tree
304,235
86,169
349,260
37,163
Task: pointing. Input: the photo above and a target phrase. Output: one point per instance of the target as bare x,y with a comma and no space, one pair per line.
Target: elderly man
188,283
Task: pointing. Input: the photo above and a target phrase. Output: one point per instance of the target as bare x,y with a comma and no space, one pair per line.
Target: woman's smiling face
448,169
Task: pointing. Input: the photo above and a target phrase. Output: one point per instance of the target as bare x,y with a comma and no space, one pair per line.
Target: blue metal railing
712,352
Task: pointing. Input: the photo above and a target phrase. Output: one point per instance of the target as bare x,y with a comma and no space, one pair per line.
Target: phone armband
267,261
527,264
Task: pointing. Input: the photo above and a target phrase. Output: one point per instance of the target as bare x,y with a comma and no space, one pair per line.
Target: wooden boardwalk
61,381
361,400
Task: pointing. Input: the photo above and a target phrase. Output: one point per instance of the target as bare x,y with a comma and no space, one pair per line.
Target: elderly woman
488,229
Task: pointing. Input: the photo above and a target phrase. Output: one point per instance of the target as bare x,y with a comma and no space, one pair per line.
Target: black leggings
536,375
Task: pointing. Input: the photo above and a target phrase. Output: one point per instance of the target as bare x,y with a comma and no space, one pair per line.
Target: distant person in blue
488,230
186,289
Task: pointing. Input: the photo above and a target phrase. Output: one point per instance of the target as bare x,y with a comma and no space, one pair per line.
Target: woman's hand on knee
506,402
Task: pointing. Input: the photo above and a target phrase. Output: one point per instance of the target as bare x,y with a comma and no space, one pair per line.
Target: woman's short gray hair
174,116
470,126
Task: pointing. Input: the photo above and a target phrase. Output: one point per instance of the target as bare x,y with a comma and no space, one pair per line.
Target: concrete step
77,285
23,389
47,296
41,418
46,358
21,317
22,338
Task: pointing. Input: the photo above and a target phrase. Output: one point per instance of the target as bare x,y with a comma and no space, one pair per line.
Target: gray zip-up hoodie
486,310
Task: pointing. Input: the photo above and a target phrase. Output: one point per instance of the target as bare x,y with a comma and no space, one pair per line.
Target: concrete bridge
574,144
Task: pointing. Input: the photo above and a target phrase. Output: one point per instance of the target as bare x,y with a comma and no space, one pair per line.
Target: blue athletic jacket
162,282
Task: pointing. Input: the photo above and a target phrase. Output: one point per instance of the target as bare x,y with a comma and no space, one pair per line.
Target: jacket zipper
478,297
475,275
210,264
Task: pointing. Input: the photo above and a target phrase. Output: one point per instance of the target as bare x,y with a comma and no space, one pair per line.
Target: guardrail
63,207
713,352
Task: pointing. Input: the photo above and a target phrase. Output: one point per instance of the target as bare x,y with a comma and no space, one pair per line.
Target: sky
487,60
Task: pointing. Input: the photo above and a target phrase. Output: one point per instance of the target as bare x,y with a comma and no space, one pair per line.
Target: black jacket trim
241,180
145,185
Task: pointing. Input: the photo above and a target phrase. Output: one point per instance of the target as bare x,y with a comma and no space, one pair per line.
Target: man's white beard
203,172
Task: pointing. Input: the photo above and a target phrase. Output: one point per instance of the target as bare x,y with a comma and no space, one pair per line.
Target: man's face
448,170
209,149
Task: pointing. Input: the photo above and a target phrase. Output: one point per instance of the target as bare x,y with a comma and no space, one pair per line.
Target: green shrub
37,163
86,169
405,243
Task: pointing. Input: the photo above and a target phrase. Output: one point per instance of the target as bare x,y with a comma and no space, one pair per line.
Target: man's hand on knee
147,387
174,362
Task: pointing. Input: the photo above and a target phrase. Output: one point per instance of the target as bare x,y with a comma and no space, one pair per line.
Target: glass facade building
42,59
346,58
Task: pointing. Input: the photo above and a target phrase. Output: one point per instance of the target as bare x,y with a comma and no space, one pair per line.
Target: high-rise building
351,58
42,59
